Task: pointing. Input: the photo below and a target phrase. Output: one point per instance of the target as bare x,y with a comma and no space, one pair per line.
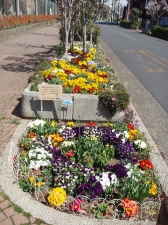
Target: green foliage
135,25
101,210
25,185
17,208
125,23
116,99
160,32
91,151
27,215
135,13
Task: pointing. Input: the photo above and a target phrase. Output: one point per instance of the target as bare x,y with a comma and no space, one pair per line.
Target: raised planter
84,107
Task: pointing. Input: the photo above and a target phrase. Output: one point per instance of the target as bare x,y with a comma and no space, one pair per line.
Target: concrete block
89,108
84,107
31,106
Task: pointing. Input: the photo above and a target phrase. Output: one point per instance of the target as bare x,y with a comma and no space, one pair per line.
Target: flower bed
100,171
88,82
84,73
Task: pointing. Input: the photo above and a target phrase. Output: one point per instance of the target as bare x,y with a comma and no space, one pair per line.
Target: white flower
67,143
143,145
36,123
105,181
140,144
126,135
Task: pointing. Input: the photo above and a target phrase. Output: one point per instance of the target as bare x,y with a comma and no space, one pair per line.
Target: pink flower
76,205
113,99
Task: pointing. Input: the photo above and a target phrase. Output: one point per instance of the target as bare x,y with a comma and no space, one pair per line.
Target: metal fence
27,7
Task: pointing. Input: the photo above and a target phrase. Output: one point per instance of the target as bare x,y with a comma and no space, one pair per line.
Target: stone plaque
50,92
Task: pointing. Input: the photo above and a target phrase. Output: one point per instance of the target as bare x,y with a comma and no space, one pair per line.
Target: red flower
91,90
130,207
68,72
102,75
75,60
130,126
76,205
91,124
145,164
69,153
77,89
31,135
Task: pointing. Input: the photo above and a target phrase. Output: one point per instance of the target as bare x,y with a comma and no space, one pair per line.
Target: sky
123,2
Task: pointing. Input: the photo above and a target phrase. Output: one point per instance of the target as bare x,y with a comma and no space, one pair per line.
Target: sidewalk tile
32,219
2,216
1,198
19,218
4,204
7,222
10,212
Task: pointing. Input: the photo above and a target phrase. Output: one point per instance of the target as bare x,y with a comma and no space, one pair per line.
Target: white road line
128,36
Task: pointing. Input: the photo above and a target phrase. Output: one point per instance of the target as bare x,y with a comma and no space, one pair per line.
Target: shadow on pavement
26,63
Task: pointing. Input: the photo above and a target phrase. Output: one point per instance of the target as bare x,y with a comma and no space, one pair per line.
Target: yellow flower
38,184
57,196
153,189
53,123
148,182
31,179
71,124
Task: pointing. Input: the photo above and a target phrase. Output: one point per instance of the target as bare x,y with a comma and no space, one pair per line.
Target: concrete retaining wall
5,34
83,108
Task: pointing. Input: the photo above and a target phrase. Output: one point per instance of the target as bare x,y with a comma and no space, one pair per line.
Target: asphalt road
141,63
145,56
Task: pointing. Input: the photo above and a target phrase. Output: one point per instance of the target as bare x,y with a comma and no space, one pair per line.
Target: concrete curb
5,34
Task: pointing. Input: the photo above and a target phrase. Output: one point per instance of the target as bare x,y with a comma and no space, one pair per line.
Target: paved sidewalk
19,56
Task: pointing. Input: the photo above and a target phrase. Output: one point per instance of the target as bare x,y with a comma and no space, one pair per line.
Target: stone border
85,107
6,34
36,209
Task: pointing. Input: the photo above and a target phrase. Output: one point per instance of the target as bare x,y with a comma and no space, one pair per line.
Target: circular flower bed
101,171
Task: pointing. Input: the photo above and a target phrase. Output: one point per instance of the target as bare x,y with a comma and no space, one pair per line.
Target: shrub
160,32
125,23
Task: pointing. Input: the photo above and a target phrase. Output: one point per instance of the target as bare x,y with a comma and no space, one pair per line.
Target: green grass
17,208
38,222
27,215
15,121
4,196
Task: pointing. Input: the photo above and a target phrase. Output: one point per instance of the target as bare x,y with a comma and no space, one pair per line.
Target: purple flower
119,170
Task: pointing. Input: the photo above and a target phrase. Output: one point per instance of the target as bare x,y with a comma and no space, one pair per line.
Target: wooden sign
50,92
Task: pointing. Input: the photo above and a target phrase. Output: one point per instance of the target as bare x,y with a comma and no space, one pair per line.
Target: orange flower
130,207
91,124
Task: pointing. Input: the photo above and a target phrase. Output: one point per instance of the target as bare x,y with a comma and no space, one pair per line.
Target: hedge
125,23
160,32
